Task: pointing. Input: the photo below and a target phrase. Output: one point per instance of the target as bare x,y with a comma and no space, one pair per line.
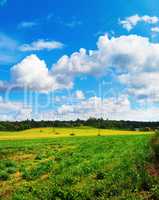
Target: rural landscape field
79,100
66,165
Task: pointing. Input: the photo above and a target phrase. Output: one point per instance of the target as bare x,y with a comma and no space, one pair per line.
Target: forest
92,122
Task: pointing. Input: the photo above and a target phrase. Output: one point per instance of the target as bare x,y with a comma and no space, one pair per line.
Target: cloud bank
133,59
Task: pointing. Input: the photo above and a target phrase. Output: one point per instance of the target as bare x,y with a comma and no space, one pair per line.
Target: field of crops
76,168
37,133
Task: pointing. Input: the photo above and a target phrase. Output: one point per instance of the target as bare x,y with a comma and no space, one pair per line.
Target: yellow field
63,132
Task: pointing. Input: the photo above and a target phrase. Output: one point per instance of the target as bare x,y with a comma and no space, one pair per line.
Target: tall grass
78,168
155,146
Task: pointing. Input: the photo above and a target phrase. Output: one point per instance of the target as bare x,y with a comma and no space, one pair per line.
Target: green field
56,164
37,133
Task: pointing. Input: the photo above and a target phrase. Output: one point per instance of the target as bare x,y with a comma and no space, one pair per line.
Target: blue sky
114,75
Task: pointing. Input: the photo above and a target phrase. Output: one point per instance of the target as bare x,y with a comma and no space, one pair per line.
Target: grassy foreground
70,168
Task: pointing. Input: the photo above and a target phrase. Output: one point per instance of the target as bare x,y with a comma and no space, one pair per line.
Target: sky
79,59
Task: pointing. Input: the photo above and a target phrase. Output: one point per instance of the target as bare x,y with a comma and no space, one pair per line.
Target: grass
37,133
76,168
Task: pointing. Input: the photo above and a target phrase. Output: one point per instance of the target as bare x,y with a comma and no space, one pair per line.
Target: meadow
76,164
37,133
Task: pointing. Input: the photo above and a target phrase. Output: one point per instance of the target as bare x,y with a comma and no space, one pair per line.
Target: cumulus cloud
130,22
41,45
32,73
133,59
143,85
130,54
123,53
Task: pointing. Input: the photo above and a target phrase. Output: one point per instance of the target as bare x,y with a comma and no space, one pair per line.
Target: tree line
93,122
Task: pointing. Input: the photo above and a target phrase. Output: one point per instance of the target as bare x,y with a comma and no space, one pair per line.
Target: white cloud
130,22
111,108
79,95
133,59
32,73
122,53
65,109
9,48
130,54
78,63
94,107
13,111
143,85
155,29
41,45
